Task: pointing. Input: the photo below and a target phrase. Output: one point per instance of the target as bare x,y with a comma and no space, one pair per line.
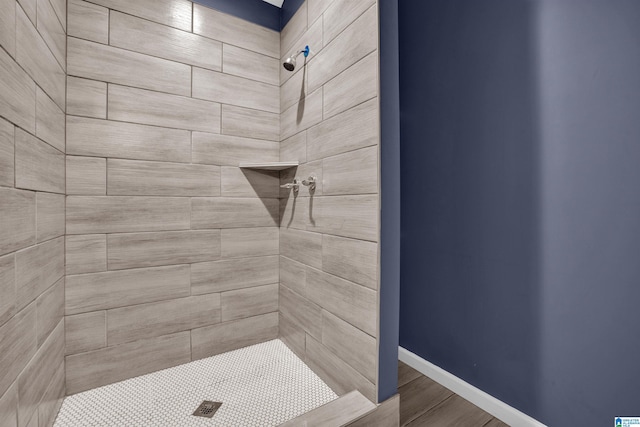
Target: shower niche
270,166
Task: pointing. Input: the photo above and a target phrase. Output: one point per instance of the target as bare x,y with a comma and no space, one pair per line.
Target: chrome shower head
290,63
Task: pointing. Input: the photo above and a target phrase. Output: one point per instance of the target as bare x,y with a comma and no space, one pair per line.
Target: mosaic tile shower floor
261,385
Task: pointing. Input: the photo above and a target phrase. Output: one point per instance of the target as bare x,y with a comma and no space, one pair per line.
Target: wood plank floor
424,402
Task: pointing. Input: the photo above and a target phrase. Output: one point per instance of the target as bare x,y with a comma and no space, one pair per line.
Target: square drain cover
207,409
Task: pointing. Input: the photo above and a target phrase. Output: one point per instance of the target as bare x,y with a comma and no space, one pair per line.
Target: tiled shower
132,241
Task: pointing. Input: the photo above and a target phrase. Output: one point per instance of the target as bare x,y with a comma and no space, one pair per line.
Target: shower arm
306,52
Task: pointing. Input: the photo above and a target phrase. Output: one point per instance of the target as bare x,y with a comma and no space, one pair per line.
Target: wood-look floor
423,402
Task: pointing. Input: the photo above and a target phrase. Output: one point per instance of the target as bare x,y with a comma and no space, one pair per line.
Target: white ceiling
275,2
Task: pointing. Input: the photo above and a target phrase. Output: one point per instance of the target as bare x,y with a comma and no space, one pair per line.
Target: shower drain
207,409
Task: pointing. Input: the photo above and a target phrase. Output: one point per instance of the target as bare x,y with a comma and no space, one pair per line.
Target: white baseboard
488,403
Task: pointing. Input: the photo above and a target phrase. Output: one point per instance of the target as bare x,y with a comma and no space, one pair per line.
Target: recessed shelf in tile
271,166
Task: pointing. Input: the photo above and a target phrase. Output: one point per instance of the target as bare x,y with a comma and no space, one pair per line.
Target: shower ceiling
275,2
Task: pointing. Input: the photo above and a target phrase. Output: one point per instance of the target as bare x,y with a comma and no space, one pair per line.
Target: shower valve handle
310,182
295,185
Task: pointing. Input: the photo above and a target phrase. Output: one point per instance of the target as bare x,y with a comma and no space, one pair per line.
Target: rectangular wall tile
348,216
354,43
302,115
7,287
39,166
263,68
234,90
140,35
33,422
294,211
250,242
294,148
7,153
99,291
249,123
230,212
113,364
8,26
50,121
354,260
86,253
85,332
174,13
110,64
60,7
86,98
214,149
33,54
33,381
353,129
17,346
292,335
293,90
317,8
160,109
49,310
290,34
231,274
18,225
293,275
238,182
355,85
350,344
90,215
338,374
50,216
301,311
135,250
103,138
142,178
9,407
341,411
386,414
52,398
86,176
37,268
18,100
216,339
301,246
138,322
229,29
351,302
249,302
29,7
355,172
340,14
52,32
88,21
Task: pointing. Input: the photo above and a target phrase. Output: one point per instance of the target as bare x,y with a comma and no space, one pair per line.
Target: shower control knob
310,182
295,185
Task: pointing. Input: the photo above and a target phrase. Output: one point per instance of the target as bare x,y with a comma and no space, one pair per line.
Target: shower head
290,63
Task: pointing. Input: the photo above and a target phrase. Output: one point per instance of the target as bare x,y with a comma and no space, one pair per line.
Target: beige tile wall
32,207
171,249
329,239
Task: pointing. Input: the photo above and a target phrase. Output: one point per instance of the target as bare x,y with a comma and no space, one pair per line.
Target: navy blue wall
390,200
520,126
289,8
257,11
